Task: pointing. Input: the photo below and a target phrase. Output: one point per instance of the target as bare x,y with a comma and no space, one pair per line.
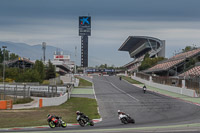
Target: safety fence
189,82
193,83
24,91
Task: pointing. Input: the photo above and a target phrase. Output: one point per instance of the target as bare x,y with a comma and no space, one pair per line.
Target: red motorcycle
56,122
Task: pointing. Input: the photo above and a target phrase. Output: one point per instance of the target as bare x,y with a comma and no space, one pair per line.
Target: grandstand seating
195,71
173,61
165,65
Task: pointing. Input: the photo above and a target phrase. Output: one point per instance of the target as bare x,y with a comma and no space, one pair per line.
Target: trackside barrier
6,104
40,103
182,91
54,101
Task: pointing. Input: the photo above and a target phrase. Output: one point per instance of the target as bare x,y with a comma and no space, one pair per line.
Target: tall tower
84,32
44,48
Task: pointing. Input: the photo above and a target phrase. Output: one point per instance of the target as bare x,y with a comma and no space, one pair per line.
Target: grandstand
20,63
174,65
138,46
193,72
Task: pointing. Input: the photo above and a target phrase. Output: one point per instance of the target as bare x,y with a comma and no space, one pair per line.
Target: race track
148,110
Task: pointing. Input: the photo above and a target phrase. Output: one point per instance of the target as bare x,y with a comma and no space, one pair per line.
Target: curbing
44,126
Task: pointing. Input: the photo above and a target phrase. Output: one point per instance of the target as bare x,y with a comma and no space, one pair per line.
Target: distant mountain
33,52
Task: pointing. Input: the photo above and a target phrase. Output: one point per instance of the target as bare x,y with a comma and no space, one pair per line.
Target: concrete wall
183,91
76,83
54,101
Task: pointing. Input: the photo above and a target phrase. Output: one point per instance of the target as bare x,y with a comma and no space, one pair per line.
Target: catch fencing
24,90
190,82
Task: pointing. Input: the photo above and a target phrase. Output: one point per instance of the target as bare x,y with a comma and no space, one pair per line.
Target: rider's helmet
118,111
77,112
48,115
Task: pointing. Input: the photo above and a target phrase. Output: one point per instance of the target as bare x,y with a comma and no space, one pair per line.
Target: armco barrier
6,104
54,101
183,91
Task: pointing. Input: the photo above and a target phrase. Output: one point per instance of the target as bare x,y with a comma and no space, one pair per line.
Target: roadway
153,111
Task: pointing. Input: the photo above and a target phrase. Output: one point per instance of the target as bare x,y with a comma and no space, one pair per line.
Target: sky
56,23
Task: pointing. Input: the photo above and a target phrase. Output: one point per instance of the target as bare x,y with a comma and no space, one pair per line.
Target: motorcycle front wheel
52,124
64,125
81,123
124,120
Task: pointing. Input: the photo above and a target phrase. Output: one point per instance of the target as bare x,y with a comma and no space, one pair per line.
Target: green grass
23,100
132,81
82,91
38,116
18,100
84,83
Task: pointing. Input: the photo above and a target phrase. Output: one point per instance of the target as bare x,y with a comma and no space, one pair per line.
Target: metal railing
191,82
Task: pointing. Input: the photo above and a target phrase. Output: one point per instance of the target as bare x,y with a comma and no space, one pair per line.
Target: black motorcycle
144,89
125,119
56,122
84,121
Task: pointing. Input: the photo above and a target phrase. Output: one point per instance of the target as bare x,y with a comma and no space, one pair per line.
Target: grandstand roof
133,42
20,63
175,60
195,71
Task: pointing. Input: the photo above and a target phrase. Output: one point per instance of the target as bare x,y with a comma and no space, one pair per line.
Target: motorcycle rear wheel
91,123
132,121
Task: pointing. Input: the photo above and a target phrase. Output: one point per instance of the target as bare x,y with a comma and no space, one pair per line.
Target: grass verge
130,80
23,100
18,100
38,116
84,83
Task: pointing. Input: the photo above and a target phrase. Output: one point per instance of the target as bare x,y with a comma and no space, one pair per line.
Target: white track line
119,89
124,92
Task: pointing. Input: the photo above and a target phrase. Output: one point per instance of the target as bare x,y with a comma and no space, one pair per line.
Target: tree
50,71
13,56
188,48
39,67
149,62
30,75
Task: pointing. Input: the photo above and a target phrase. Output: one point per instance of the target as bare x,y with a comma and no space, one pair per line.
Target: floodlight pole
4,47
44,48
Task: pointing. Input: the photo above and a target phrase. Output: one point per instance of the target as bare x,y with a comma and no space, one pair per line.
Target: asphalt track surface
148,110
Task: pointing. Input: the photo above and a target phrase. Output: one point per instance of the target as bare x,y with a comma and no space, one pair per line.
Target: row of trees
105,66
38,73
8,56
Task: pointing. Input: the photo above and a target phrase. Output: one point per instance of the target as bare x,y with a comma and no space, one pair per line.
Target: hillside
33,52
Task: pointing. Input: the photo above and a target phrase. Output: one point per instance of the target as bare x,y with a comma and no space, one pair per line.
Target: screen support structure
84,51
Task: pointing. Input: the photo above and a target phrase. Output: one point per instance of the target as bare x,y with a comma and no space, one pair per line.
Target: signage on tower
85,22
84,26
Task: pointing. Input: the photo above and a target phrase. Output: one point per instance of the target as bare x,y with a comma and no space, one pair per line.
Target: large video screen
84,22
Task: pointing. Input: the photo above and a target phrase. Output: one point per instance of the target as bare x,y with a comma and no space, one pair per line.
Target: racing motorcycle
56,122
125,119
84,121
